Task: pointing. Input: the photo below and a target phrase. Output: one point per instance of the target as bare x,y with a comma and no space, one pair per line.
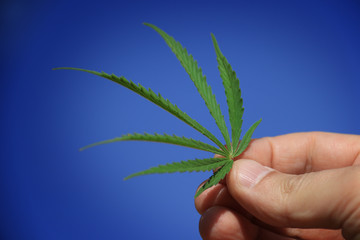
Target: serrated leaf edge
156,99
184,166
233,94
247,138
199,80
162,138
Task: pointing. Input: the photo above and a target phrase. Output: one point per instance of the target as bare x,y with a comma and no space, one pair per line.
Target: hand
295,186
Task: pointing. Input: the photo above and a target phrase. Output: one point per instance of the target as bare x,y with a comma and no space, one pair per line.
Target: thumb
325,199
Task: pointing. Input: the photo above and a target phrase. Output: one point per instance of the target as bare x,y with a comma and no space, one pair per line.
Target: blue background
298,65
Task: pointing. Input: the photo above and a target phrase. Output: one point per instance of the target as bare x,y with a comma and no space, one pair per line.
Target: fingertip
208,198
223,223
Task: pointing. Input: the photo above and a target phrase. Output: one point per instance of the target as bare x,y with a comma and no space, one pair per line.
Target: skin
312,193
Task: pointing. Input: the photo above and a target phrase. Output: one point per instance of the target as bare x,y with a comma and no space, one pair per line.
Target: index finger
298,153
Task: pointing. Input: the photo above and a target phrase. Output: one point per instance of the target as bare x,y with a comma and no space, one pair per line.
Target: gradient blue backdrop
299,69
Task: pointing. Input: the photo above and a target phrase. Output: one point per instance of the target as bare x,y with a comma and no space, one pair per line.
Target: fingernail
250,172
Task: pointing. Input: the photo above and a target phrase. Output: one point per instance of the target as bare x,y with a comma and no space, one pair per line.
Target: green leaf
158,100
165,138
195,73
184,166
247,138
233,93
216,177
235,105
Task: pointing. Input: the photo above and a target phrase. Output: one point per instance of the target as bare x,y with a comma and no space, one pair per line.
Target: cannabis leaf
195,73
165,138
185,166
233,93
158,100
233,147
216,177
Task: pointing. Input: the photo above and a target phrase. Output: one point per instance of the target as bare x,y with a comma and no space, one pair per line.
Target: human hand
309,189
